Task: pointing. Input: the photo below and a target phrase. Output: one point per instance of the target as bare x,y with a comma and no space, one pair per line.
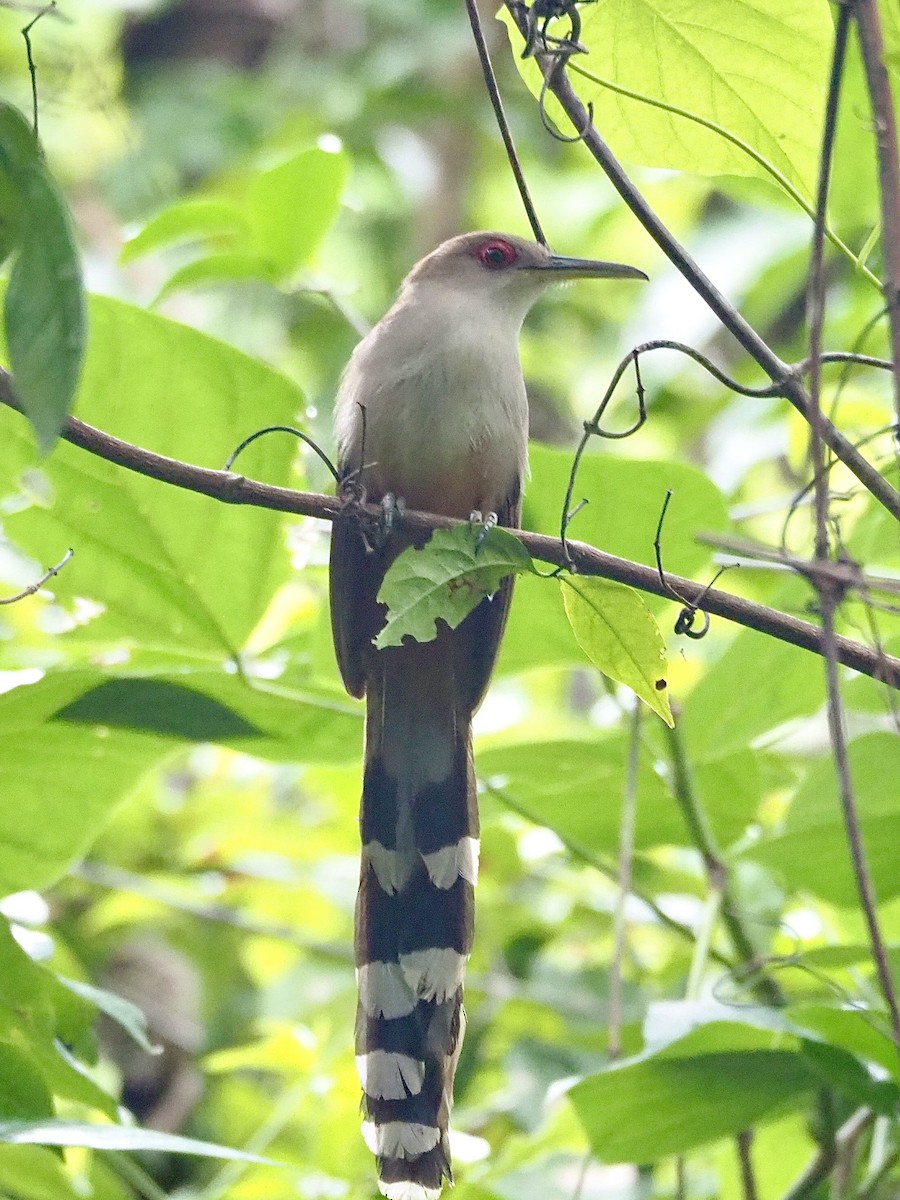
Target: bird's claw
392,510
484,524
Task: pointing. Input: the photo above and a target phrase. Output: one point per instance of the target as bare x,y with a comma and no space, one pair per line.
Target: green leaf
724,712
265,225
44,312
646,1110
172,570
813,853
186,220
536,607
217,268
28,1024
156,706
856,1030
23,1090
290,207
625,498
35,1173
575,787
114,1137
18,153
753,68
445,580
620,636
122,1011
50,816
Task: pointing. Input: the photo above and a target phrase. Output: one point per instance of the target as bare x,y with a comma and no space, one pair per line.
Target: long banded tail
415,912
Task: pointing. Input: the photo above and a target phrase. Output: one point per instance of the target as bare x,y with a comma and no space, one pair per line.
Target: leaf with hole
445,580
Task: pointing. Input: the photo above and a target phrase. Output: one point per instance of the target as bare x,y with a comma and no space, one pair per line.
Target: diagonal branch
871,42
586,560
789,386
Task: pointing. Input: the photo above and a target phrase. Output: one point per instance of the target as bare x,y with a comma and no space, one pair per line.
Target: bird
430,414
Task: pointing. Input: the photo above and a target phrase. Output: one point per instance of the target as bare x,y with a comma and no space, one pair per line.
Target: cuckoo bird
431,411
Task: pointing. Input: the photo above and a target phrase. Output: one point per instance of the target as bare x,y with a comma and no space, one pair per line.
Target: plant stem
716,868
868,24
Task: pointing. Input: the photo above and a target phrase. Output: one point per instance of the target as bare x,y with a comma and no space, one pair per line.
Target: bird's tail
414,914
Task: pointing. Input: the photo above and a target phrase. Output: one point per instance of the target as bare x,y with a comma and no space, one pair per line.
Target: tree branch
790,387
871,42
585,560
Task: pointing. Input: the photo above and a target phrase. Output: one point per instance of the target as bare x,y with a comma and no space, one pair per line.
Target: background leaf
44,313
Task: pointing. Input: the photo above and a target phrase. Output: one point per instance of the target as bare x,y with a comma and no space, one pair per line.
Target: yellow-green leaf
620,636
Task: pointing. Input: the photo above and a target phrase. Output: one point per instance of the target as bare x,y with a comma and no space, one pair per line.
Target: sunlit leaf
619,635
754,69
114,1137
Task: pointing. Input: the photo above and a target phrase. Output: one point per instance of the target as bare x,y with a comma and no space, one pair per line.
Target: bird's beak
588,268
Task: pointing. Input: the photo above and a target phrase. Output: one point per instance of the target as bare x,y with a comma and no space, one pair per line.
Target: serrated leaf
114,1137
445,580
44,313
620,636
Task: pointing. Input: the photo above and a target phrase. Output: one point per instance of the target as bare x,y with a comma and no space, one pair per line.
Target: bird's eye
496,254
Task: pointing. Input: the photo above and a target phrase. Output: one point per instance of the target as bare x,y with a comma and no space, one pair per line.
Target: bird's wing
479,635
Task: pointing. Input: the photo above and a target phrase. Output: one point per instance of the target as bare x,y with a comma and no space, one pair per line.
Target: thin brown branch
39,583
490,82
790,387
824,1162
868,24
718,874
829,594
626,860
586,560
744,1142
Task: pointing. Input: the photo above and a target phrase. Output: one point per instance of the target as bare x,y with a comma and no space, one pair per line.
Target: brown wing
477,639
354,577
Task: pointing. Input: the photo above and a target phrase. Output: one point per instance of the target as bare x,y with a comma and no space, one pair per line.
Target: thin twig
38,584
32,69
840,573
829,595
744,1142
608,869
586,560
626,858
490,82
742,331
718,875
821,1166
871,41
298,433
119,880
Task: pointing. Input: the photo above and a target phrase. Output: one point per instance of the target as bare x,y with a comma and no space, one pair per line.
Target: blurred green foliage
180,768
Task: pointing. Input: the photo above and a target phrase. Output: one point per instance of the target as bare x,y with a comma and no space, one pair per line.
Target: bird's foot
484,523
392,510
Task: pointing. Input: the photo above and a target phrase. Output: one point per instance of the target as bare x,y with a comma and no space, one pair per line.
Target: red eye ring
496,254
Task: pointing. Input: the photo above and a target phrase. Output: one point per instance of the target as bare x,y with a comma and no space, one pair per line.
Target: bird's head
504,271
